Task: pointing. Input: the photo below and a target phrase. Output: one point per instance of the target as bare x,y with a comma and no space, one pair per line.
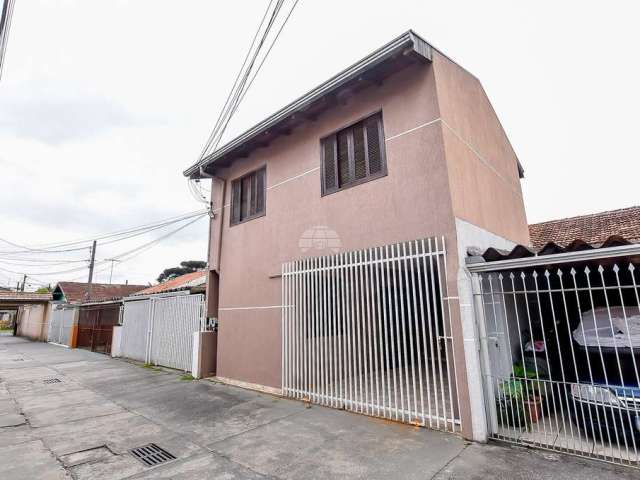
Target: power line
124,234
5,26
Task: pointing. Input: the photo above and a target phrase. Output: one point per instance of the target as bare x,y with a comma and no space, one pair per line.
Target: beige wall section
482,166
33,321
411,202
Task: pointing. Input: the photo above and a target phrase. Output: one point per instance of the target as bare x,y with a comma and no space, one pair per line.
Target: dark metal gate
95,326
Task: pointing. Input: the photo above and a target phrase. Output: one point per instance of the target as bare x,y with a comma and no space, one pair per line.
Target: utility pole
24,281
111,274
92,261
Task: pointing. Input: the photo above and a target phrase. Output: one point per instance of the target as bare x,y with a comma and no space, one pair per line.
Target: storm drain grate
151,455
51,380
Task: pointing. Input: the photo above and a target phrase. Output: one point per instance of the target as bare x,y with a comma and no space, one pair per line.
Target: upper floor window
353,155
248,196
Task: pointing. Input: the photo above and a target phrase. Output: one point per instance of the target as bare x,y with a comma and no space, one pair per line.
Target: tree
43,290
187,266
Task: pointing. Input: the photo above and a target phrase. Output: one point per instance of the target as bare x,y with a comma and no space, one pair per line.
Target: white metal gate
160,330
369,331
61,325
560,345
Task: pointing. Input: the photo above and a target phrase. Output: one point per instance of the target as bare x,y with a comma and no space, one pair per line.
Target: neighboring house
402,146
30,312
593,229
77,292
195,282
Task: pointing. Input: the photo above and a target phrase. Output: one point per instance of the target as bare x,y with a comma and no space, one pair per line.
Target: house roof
402,51
75,292
24,296
592,229
183,282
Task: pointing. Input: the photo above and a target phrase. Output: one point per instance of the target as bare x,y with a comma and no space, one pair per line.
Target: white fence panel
175,320
61,325
135,329
160,330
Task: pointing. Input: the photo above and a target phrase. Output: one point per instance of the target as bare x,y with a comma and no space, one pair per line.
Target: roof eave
407,43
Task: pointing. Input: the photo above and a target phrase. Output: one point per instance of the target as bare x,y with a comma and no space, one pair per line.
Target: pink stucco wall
433,177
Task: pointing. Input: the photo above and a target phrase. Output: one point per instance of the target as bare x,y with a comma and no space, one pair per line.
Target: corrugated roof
183,282
75,292
24,296
550,248
592,229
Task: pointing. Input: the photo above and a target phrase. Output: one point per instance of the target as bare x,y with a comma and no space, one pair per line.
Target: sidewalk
67,413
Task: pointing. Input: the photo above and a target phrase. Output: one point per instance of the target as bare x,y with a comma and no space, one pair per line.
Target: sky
104,103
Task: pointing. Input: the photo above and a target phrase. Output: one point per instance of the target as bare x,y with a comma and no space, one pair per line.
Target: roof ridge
588,215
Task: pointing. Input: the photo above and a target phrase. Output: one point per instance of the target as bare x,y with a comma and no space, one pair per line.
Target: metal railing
560,351
369,331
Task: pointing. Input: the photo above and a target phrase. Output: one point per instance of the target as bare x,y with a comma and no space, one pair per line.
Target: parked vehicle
607,393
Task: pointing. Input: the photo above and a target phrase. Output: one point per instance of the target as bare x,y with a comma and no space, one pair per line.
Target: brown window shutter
329,171
374,149
235,202
260,190
343,157
359,160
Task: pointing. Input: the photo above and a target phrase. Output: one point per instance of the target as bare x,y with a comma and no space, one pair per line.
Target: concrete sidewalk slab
85,425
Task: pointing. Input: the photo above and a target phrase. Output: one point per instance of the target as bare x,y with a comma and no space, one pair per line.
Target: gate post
467,288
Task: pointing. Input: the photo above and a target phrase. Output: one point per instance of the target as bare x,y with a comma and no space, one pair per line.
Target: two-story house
341,222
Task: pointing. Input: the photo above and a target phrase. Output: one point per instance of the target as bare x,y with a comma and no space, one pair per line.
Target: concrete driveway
76,414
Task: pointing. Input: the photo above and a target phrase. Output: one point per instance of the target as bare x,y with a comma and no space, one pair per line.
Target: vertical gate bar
506,328
453,357
376,338
535,363
616,270
415,258
298,323
314,352
446,326
408,326
351,341
334,331
358,326
328,353
397,361
368,297
424,298
384,273
435,354
403,322
565,384
534,275
559,273
320,329
615,348
573,273
326,342
340,290
489,388
587,272
306,319
284,326
517,315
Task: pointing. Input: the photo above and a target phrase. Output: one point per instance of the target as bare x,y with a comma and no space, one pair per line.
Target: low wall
205,353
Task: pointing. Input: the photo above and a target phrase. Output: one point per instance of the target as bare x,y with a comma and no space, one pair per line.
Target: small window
353,155
248,196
